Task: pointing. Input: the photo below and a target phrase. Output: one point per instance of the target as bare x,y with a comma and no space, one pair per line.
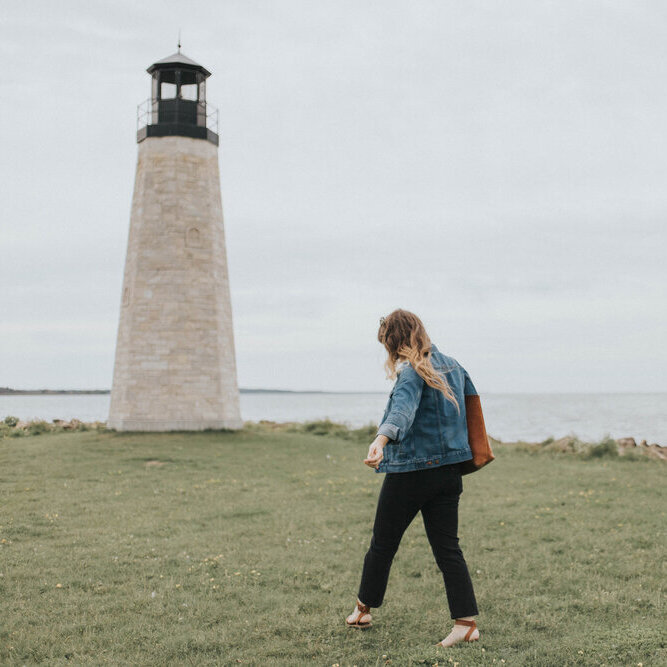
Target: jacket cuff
389,430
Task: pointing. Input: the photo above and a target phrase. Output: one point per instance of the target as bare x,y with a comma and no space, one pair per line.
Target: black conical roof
178,59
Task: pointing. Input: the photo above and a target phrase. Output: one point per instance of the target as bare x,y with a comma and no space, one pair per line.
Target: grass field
246,548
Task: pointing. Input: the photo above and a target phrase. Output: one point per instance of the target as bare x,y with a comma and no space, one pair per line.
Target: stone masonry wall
175,365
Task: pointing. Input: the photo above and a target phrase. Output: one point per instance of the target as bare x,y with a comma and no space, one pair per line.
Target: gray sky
499,168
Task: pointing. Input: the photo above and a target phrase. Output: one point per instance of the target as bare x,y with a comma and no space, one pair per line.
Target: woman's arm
406,397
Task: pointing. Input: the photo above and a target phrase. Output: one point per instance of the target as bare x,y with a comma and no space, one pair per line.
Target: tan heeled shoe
364,610
471,636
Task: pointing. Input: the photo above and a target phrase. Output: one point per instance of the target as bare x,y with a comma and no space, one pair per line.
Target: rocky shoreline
14,427
8,391
624,447
608,446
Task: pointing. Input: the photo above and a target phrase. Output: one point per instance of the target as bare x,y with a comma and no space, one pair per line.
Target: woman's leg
440,515
396,508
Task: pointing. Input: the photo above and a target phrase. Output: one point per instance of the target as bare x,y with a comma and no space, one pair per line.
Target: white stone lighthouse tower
175,366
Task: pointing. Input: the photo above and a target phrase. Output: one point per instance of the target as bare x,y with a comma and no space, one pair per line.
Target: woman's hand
375,451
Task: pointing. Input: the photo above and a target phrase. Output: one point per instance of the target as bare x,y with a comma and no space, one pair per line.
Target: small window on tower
168,91
192,238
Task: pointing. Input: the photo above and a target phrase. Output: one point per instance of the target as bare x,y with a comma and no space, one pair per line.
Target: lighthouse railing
206,114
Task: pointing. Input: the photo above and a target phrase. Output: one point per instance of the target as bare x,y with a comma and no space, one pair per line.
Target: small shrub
604,449
11,421
326,427
548,441
38,427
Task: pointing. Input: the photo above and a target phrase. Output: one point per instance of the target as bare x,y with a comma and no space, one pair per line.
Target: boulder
657,452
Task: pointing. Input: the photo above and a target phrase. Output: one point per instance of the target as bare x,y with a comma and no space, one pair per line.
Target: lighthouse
175,365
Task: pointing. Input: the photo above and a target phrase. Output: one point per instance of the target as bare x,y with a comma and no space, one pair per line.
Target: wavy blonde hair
403,335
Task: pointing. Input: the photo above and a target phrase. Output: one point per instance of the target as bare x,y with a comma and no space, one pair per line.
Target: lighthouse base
174,425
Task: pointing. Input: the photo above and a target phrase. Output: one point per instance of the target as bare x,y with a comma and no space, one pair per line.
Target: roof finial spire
179,40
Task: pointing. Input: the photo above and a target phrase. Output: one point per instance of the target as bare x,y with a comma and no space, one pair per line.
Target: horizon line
9,391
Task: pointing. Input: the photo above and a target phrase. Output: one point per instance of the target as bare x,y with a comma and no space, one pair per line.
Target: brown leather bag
477,437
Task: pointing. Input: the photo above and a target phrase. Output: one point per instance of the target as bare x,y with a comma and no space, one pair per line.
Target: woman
419,444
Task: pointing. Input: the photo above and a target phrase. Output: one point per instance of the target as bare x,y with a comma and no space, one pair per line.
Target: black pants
436,492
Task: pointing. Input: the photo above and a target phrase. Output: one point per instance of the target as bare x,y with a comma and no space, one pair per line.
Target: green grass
246,548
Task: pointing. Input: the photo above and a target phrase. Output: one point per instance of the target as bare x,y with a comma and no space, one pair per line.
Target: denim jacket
425,430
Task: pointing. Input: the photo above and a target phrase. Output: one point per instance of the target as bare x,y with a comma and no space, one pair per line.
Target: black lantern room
177,106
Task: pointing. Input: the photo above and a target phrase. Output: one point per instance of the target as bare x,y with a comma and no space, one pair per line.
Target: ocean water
531,417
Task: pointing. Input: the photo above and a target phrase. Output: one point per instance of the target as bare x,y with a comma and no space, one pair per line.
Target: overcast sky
499,168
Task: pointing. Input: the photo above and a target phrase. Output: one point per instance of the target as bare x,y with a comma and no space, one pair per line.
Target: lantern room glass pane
189,92
168,91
